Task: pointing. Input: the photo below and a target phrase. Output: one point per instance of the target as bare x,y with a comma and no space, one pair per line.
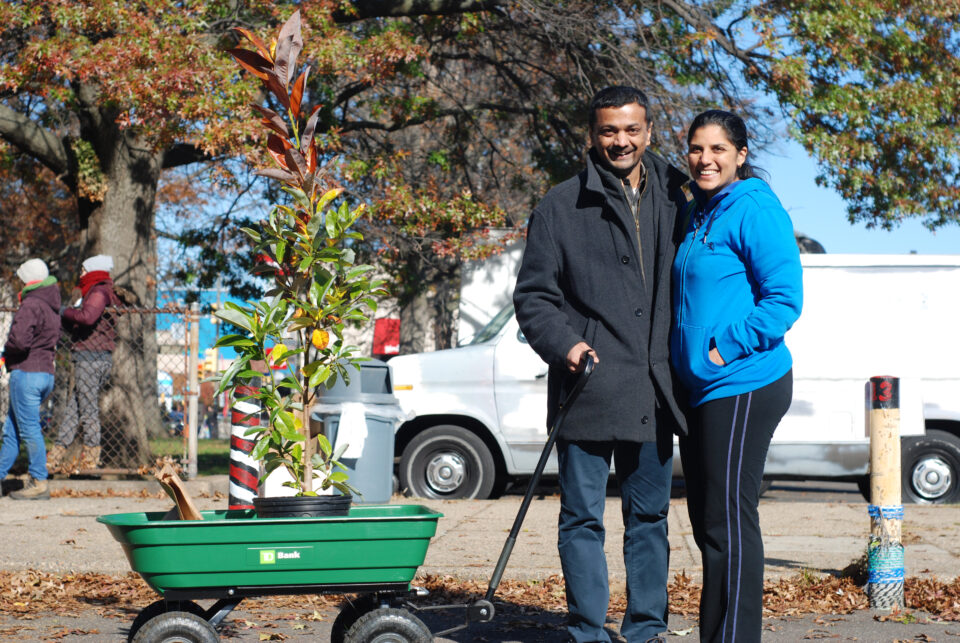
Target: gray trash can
364,415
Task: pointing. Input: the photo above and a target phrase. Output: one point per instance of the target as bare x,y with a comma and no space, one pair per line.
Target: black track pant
723,459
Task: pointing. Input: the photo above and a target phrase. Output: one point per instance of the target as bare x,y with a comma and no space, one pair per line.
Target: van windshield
493,327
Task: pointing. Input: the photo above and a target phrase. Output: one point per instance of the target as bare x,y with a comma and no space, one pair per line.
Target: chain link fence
138,392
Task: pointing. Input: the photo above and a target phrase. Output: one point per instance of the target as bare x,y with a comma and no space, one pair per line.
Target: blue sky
821,214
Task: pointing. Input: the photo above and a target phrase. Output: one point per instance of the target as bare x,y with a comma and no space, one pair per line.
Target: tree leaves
289,45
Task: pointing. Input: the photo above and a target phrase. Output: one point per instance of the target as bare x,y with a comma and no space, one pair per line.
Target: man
595,279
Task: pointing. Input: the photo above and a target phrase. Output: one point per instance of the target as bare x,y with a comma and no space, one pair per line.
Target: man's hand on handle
577,357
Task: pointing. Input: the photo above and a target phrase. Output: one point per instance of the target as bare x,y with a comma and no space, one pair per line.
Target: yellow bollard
885,551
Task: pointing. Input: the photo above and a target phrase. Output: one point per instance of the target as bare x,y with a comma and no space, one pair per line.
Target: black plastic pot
303,506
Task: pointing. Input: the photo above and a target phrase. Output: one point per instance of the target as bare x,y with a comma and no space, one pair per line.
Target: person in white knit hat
29,356
93,336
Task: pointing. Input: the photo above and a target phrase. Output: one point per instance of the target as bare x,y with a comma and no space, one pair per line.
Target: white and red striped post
244,470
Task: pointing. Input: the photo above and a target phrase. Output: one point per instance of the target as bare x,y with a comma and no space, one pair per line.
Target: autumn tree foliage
451,116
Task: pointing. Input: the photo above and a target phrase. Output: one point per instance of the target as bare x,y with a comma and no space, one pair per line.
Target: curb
201,485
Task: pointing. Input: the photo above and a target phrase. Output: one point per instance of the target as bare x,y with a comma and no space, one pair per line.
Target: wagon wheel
162,607
350,612
388,625
177,627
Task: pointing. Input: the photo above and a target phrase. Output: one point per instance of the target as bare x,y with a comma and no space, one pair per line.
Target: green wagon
231,555
373,551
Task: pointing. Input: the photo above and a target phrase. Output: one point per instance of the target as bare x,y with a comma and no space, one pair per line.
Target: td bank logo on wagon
272,556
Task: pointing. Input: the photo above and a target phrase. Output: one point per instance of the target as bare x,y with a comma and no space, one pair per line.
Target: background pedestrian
28,355
92,337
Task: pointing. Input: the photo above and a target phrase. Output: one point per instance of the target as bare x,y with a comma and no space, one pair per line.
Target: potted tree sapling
316,289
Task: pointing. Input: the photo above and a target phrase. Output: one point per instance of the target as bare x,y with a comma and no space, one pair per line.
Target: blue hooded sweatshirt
737,286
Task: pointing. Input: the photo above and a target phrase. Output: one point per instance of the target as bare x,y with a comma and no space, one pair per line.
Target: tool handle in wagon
535,479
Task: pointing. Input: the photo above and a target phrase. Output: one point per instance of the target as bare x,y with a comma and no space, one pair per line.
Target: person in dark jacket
29,354
92,336
737,290
595,279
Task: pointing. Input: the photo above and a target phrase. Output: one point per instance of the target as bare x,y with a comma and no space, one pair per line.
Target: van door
520,389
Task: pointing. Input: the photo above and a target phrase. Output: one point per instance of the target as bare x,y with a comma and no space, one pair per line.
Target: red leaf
252,62
277,146
312,159
272,120
295,160
280,91
306,140
253,38
289,45
273,173
296,96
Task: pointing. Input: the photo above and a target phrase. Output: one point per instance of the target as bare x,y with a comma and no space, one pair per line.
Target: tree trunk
428,321
122,227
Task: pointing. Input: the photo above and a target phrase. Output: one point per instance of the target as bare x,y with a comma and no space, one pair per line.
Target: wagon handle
531,487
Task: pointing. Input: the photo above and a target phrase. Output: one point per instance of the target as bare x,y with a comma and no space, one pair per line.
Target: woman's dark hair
736,131
618,96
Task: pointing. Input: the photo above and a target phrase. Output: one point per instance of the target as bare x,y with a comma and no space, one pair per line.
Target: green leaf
324,445
253,234
236,316
231,373
319,377
234,340
356,271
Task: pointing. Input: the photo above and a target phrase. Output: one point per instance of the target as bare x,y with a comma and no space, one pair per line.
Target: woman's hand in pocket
715,357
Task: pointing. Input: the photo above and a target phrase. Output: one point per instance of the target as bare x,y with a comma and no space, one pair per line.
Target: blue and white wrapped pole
885,550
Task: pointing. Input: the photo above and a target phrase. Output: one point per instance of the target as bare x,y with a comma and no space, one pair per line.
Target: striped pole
885,551
244,470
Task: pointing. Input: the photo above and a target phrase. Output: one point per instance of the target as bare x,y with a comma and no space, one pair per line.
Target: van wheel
765,486
931,468
447,462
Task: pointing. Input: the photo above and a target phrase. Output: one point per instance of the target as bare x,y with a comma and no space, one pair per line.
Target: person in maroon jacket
29,354
92,334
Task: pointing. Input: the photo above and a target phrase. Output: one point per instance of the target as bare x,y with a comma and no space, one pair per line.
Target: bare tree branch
363,9
183,154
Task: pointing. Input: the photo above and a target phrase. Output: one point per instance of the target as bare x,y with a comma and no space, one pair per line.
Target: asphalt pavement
810,536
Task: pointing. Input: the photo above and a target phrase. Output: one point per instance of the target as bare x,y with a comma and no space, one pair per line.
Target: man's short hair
618,96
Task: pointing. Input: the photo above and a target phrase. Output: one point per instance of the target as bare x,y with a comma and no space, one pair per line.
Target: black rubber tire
445,462
388,625
162,607
177,627
930,468
350,612
765,486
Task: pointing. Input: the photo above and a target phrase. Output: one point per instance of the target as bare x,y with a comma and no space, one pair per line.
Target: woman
29,354
92,340
737,290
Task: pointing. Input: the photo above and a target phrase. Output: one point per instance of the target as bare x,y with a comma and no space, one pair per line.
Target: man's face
620,136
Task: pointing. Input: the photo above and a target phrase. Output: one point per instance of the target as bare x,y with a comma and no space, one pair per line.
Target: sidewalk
61,535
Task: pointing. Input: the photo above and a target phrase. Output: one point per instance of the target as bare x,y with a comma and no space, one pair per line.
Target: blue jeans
644,472
27,392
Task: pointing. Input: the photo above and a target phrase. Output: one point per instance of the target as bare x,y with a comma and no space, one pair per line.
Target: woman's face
713,159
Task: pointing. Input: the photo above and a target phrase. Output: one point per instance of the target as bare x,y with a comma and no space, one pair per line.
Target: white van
480,408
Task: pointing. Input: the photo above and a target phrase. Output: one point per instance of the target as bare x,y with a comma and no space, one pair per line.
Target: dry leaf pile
25,594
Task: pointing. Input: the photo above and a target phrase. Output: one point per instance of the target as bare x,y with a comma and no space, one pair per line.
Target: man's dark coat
580,281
